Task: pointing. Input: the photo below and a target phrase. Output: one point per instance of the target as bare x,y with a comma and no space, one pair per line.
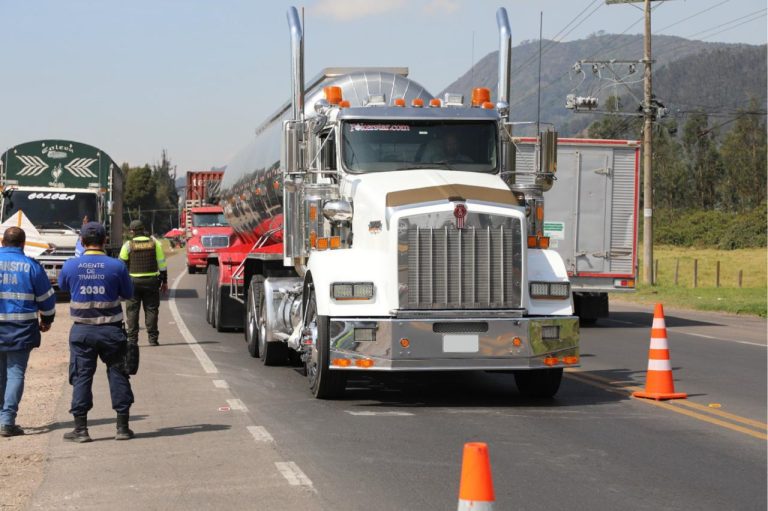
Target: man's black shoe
154,343
10,430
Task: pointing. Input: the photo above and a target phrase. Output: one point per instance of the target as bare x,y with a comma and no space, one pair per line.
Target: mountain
687,75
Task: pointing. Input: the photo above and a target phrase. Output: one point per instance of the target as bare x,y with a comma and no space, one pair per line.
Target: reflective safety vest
144,256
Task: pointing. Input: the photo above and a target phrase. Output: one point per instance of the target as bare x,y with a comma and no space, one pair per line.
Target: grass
751,298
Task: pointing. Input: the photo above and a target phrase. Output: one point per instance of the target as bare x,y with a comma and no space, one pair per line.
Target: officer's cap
137,225
93,229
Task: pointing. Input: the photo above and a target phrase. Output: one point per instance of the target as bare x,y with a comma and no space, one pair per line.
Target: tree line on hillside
150,195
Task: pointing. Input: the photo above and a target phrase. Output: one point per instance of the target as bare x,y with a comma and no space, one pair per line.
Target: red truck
207,231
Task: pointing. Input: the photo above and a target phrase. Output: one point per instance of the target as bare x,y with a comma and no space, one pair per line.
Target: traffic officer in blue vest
25,294
96,283
149,272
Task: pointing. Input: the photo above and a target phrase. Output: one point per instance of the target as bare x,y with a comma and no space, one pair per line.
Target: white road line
208,366
293,473
378,414
221,384
260,434
683,332
236,404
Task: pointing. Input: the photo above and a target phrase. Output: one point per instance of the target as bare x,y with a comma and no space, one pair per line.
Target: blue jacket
25,292
95,282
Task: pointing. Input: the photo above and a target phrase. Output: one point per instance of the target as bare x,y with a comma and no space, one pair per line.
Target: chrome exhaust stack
297,63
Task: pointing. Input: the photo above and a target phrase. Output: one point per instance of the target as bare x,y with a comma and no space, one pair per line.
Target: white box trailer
591,216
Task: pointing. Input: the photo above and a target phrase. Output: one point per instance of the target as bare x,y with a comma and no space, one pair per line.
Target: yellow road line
626,388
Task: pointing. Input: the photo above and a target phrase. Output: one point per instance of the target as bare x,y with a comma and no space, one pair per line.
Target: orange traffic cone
476,489
658,381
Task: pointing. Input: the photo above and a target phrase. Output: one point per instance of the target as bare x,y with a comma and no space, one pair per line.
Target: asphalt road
396,442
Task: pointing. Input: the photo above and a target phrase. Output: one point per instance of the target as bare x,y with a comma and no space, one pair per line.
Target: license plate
461,344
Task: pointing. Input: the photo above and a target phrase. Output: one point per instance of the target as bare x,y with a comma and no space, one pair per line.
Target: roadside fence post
695,273
677,269
741,275
717,275
656,272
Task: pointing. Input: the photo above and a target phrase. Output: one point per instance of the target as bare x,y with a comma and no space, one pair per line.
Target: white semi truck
384,231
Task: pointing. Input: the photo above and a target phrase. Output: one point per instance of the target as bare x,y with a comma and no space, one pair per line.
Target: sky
196,77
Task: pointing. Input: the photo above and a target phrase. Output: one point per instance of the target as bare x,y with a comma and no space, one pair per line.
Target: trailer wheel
539,382
208,295
323,383
255,290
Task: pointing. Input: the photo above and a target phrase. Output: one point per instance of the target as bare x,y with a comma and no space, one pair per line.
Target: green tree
744,158
705,168
165,197
669,169
613,125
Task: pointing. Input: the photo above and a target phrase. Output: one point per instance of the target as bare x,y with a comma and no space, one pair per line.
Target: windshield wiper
416,166
55,225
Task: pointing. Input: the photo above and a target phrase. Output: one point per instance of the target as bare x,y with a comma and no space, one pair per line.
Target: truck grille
215,241
472,268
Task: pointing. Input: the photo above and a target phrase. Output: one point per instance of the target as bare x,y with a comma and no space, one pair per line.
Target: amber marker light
435,103
404,342
517,342
322,243
344,103
480,95
570,360
335,242
417,102
313,212
488,105
551,361
332,94
365,363
400,102
341,362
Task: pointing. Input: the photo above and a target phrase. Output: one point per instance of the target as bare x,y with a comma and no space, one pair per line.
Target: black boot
123,431
80,433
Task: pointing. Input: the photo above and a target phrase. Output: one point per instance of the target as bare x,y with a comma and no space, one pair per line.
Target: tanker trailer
387,234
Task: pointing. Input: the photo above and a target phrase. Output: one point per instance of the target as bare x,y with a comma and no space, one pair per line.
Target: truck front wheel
323,383
252,327
191,270
539,382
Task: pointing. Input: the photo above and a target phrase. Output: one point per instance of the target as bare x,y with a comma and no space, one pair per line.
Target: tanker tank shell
251,189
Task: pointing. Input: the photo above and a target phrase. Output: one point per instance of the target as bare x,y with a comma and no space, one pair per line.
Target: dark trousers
146,290
87,343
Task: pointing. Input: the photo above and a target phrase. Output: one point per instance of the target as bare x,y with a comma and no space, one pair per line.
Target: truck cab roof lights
480,95
400,102
453,99
376,100
435,103
332,94
417,102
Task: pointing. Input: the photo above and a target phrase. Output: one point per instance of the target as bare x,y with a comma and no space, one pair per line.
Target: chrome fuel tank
251,189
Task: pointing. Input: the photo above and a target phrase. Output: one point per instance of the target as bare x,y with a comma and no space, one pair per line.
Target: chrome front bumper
466,343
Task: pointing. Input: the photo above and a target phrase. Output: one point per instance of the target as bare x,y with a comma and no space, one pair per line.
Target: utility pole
649,111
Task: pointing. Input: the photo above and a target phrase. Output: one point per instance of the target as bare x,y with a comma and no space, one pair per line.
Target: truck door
592,212
578,208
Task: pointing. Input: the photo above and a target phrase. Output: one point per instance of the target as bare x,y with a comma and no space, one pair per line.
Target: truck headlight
352,290
550,290
195,248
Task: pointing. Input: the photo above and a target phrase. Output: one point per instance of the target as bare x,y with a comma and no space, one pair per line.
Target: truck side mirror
291,156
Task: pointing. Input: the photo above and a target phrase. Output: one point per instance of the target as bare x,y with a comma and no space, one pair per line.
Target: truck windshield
382,146
52,210
209,220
